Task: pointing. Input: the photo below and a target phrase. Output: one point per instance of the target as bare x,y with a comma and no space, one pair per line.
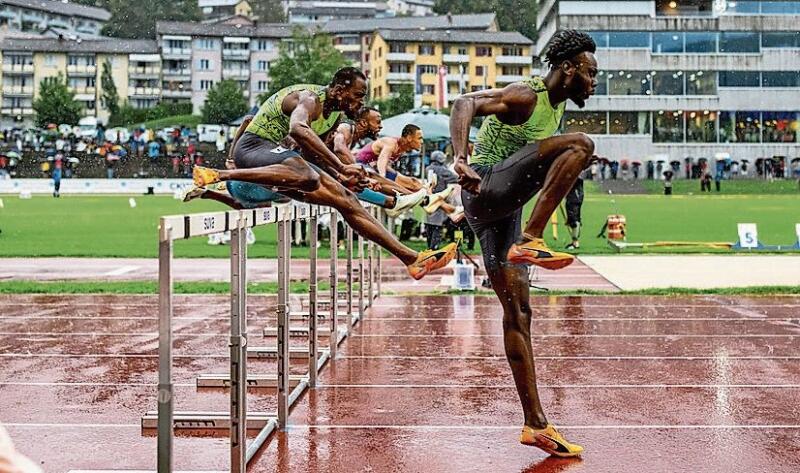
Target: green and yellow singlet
497,141
272,124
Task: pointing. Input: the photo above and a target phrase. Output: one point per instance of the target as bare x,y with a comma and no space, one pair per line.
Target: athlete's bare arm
305,107
384,157
341,143
229,162
512,104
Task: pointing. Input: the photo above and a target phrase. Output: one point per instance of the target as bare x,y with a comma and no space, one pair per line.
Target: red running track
653,384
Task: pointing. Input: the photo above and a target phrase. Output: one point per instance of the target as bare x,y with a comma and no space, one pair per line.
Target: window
780,7
426,50
668,83
668,127
743,6
780,79
512,51
476,88
428,89
739,79
262,65
262,85
204,64
483,51
513,70
396,48
628,83
462,50
684,8
586,122
740,127
628,123
50,60
780,40
394,67
701,83
206,43
701,42
602,83
739,42
91,104
264,45
600,38
629,39
701,126
780,127
480,71
206,84
428,69
667,43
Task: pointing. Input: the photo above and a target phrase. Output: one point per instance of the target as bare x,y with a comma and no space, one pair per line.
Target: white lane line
59,335
68,426
561,386
575,358
105,355
434,319
85,384
122,270
409,305
572,427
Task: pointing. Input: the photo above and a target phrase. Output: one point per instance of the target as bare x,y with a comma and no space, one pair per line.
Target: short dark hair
566,44
347,76
409,129
364,111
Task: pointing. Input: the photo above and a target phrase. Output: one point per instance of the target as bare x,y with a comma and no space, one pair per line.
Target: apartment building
40,15
467,60
684,79
411,7
198,55
135,66
319,11
353,37
217,9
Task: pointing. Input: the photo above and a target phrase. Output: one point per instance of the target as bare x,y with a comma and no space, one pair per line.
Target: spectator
58,164
705,183
153,151
573,203
668,182
437,172
221,141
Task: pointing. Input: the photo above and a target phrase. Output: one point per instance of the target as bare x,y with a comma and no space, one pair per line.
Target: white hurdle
289,388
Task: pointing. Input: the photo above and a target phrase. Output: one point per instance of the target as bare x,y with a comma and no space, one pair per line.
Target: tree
225,103
308,59
396,103
56,103
110,97
512,15
137,20
269,11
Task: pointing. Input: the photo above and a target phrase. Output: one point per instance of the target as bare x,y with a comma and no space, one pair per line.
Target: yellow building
135,68
471,60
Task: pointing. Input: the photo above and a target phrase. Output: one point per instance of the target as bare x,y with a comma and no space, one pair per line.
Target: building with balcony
198,55
687,79
468,60
411,7
217,9
40,15
135,68
354,37
319,11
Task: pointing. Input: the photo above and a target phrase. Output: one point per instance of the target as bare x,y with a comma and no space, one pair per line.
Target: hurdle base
272,352
253,381
199,420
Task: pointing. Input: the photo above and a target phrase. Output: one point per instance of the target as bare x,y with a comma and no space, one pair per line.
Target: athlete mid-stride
315,174
515,157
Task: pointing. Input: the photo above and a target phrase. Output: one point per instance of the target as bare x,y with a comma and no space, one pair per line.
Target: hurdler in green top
272,124
497,141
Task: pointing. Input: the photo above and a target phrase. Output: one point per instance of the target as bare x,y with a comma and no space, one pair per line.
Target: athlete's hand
353,177
467,177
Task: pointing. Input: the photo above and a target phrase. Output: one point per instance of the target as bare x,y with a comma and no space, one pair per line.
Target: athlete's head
570,54
347,90
368,123
412,135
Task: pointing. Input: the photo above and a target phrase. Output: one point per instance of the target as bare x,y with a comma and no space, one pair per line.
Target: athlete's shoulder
536,83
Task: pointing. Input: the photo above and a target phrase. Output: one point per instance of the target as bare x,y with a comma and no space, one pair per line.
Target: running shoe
550,440
204,176
431,260
405,202
192,193
536,252
436,200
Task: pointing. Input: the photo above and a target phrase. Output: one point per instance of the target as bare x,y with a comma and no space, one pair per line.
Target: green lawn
735,187
108,226
176,120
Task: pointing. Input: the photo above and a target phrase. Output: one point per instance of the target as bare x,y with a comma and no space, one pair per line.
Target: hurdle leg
284,244
238,347
382,213
165,391
334,278
312,305
349,245
361,280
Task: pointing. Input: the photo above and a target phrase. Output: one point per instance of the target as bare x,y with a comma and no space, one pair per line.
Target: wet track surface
701,384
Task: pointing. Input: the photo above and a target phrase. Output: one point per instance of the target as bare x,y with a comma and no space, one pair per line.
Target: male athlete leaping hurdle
305,112
382,153
515,157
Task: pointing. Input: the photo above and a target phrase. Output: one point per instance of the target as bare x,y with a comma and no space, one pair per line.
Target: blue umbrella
435,125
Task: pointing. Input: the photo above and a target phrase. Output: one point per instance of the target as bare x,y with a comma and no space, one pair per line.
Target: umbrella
435,125
12,155
74,160
636,162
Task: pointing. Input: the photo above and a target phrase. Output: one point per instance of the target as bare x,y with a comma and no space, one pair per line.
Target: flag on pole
418,87
442,83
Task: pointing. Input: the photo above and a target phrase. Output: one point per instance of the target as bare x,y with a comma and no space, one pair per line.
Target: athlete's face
372,125
581,77
415,140
351,98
